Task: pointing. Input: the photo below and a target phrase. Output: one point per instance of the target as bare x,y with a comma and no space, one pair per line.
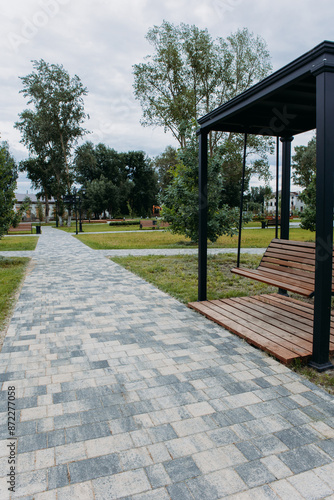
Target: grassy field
161,272
17,243
12,271
95,228
251,238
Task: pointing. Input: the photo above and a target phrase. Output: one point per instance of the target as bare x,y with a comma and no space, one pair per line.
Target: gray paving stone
297,436
180,491
327,446
32,442
304,458
181,469
94,468
255,473
88,431
58,477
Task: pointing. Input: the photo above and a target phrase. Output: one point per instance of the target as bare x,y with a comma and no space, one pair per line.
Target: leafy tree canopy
51,126
132,177
189,74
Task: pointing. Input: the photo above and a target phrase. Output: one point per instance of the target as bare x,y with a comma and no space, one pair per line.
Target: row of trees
123,183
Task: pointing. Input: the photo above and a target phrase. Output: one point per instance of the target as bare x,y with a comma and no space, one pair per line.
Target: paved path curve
124,393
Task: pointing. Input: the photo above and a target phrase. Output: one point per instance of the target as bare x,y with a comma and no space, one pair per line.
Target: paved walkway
123,392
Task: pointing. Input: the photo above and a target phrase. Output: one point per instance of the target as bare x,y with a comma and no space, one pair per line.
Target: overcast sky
100,41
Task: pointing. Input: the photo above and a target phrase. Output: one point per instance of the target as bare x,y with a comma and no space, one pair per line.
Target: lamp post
75,208
81,196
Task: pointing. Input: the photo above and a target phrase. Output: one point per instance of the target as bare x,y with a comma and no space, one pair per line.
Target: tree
8,177
180,199
52,128
256,198
163,164
144,189
304,175
189,74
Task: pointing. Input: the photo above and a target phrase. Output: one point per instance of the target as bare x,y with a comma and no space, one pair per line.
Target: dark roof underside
283,104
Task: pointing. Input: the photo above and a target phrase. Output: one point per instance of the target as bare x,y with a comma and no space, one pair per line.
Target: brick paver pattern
122,392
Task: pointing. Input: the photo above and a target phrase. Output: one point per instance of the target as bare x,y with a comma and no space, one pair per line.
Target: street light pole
75,208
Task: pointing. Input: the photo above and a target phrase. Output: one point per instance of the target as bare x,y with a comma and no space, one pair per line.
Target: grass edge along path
13,271
254,238
160,271
17,243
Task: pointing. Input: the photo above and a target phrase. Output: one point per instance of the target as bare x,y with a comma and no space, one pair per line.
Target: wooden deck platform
279,325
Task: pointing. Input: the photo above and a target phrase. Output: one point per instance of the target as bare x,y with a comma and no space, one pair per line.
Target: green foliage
117,182
304,165
180,200
189,74
163,164
8,177
308,196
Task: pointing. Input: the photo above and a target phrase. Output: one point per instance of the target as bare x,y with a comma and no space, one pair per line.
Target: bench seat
286,264
22,226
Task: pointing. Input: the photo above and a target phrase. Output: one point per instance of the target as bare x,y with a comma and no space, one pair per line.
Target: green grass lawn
255,238
162,271
17,243
90,228
12,271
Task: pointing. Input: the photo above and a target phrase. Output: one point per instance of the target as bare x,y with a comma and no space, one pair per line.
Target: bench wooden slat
253,322
277,321
258,276
289,265
252,336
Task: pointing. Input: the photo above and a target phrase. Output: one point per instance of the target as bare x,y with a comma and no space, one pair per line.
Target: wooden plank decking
279,325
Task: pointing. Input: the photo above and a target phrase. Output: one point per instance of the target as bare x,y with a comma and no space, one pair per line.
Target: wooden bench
22,226
286,264
272,222
155,224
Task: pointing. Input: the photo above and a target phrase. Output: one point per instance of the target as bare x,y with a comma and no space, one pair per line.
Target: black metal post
80,221
75,209
285,199
324,218
57,212
242,198
203,216
277,180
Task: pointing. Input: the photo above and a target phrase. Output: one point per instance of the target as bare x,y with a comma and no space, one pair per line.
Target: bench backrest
293,257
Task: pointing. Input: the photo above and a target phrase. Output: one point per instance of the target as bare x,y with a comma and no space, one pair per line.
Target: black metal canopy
282,104
297,98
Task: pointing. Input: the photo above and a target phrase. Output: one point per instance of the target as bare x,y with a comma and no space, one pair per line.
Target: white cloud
100,40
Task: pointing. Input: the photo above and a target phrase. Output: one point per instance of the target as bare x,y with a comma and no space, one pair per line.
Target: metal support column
285,199
277,191
324,217
203,216
242,198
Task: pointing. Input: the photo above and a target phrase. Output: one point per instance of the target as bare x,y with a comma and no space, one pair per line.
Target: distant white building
296,205
31,214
